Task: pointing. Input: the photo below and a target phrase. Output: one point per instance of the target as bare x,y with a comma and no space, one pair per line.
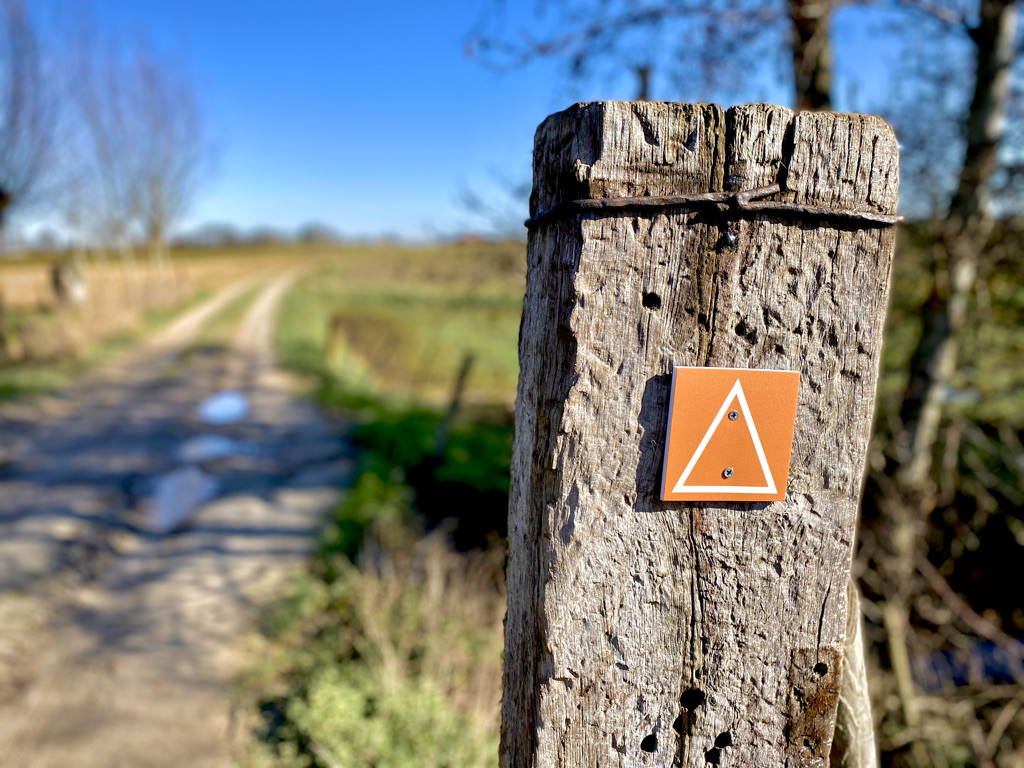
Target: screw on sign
677,592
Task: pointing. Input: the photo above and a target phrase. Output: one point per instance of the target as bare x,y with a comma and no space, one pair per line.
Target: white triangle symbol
769,487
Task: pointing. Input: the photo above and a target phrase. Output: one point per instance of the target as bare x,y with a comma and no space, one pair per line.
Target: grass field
407,317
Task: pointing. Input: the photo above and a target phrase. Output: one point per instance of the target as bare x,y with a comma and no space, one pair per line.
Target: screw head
733,415
727,473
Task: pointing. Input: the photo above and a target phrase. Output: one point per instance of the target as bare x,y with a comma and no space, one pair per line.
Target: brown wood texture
650,633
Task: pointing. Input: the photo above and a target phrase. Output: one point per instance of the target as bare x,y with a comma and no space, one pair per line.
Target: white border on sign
735,393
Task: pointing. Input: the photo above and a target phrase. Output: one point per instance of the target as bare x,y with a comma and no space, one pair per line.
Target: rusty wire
722,202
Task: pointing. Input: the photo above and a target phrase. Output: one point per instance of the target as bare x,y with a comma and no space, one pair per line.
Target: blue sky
366,116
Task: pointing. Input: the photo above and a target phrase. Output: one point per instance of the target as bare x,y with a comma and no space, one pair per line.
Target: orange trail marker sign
730,434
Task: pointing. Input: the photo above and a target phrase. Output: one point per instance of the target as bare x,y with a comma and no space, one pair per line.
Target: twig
937,12
895,627
1002,722
977,737
981,626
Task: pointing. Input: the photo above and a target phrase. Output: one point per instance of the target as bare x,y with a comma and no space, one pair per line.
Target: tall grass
37,377
387,652
396,662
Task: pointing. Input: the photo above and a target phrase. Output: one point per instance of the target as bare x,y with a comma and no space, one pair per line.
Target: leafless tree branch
26,109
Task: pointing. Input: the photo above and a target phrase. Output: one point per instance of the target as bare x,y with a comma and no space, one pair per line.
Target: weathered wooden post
643,632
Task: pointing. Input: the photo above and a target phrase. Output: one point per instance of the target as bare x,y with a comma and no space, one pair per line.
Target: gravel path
119,640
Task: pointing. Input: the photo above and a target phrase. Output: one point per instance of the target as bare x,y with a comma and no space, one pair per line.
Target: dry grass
394,664
435,614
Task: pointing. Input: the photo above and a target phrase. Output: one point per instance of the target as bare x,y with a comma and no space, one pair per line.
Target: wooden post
650,633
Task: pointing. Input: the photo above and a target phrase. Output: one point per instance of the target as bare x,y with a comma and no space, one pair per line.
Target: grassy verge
387,652
404,320
18,380
391,659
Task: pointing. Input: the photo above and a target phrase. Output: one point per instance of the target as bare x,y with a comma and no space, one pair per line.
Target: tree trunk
812,53
160,288
650,633
962,241
963,238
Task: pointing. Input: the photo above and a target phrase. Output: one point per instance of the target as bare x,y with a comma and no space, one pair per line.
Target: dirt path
120,641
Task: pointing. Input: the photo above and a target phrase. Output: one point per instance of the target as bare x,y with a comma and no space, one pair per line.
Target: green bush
349,716
396,662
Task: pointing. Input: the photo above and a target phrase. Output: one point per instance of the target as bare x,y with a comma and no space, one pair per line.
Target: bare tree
702,48
27,110
175,155
968,227
147,148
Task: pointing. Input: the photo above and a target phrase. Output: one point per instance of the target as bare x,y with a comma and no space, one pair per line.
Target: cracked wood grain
650,633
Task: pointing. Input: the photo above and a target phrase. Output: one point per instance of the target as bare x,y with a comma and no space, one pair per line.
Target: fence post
643,632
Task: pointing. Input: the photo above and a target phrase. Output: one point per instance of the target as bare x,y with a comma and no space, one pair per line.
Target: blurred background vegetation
388,651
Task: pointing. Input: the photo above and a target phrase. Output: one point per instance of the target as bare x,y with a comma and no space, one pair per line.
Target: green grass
407,319
394,664
390,659
16,383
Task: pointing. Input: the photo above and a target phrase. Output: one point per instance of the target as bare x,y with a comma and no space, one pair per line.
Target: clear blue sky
366,116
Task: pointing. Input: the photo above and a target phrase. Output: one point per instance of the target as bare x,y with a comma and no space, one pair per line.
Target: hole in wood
724,740
677,725
820,668
692,698
713,755
746,331
650,743
651,300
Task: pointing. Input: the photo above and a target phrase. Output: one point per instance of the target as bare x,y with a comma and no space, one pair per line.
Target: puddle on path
202,448
177,494
228,406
